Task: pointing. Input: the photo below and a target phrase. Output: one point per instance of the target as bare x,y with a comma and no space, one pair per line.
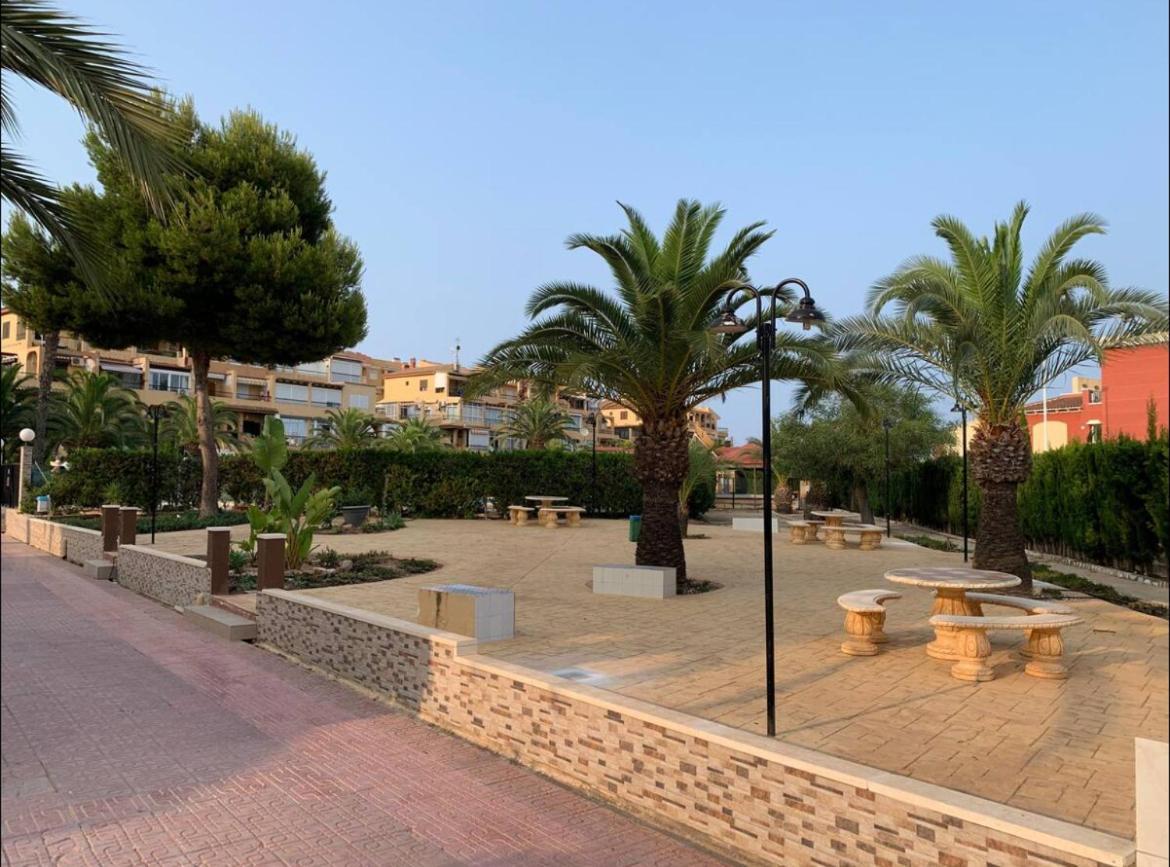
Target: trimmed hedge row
429,484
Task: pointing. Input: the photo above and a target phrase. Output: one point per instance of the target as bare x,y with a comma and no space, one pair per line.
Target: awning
219,377
121,368
250,380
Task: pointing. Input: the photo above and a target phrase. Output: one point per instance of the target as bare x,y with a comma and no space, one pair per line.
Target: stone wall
741,793
169,578
81,544
16,525
76,544
47,536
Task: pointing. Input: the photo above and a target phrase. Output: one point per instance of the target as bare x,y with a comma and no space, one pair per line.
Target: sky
464,141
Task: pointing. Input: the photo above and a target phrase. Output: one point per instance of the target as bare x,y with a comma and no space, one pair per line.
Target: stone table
951,584
836,517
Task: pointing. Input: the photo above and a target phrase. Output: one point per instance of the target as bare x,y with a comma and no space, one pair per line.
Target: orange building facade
1116,404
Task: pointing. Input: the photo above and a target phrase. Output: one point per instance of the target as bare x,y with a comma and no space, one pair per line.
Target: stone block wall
16,525
47,536
81,544
75,544
169,578
744,794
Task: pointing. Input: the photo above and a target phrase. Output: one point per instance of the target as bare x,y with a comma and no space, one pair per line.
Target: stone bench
865,620
486,613
548,515
801,532
1045,647
648,582
518,515
1030,606
870,536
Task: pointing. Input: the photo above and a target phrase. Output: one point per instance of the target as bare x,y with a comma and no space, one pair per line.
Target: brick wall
169,578
747,795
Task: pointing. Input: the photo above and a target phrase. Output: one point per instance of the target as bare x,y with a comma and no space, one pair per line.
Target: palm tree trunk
209,492
51,343
1001,458
661,461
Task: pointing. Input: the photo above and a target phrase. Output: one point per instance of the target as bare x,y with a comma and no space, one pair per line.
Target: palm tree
980,329
538,422
54,50
96,411
651,348
416,435
180,427
345,429
17,404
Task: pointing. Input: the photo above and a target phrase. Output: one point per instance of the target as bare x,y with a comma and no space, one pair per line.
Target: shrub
165,522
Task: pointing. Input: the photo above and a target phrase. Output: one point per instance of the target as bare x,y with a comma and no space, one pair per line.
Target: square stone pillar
24,479
128,528
219,543
111,519
270,561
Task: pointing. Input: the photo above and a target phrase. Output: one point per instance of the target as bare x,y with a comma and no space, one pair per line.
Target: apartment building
704,423
436,392
301,395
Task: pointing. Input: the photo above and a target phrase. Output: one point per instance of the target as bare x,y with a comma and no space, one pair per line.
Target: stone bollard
128,527
270,561
111,517
219,542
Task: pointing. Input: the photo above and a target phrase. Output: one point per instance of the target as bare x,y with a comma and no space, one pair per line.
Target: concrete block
647,582
753,525
222,623
485,613
1152,761
102,569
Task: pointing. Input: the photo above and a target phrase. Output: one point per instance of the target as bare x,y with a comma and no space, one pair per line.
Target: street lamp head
888,423
729,323
805,312
959,406
27,435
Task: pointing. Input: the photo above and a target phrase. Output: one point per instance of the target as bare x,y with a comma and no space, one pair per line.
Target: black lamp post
888,424
592,419
155,412
961,408
806,314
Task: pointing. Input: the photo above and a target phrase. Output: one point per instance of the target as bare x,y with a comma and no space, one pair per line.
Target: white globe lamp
27,435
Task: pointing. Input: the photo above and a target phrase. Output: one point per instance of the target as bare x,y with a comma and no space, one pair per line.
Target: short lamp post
961,408
592,419
805,313
888,424
155,413
24,480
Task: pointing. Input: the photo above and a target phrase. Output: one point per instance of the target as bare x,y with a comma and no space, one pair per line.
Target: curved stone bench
801,532
865,620
547,516
1020,603
1045,646
518,515
869,536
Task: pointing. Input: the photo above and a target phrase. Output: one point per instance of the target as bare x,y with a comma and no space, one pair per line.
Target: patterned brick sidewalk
130,737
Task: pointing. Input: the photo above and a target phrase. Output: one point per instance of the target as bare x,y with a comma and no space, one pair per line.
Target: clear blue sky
465,140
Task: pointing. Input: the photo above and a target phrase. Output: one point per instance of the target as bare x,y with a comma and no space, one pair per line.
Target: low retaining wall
76,544
169,578
743,793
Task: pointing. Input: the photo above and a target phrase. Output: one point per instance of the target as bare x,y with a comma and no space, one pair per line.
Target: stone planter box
354,516
647,582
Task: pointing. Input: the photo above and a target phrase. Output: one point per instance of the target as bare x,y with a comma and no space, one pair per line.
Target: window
1094,431
7,329
292,393
323,396
479,439
341,370
295,428
422,384
20,329
170,380
1095,396
359,401
624,415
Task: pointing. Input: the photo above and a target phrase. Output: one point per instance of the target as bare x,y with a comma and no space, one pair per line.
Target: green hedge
1103,502
922,494
431,484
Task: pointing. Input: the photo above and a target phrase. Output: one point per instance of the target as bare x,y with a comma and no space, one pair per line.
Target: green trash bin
635,527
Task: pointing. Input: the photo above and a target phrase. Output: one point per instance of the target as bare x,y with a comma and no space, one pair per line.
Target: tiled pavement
1063,749
132,738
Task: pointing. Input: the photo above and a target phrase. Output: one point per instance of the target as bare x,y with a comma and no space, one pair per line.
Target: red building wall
1129,378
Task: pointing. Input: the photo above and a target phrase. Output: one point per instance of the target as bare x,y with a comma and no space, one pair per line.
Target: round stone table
836,517
544,501
950,585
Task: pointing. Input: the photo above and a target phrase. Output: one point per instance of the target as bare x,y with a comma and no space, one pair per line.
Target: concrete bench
865,620
869,536
486,613
548,515
1045,646
801,532
1029,606
518,515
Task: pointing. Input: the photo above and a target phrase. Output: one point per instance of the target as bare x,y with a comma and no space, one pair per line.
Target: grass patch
929,542
1105,592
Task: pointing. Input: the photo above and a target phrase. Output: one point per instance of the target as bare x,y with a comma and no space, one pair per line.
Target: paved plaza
132,738
1063,749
